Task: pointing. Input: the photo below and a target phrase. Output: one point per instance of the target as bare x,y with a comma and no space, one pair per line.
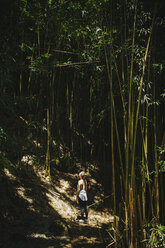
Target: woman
82,195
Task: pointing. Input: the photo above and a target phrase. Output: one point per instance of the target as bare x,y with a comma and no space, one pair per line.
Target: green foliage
5,162
156,236
161,162
3,138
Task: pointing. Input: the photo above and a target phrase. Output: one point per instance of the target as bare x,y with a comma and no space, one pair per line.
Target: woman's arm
85,185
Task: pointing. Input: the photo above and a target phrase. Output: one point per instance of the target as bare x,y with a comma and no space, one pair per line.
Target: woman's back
81,184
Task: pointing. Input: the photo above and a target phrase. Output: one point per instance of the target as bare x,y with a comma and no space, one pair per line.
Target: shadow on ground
28,220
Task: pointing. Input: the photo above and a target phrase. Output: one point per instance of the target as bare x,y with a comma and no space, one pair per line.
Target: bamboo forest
82,89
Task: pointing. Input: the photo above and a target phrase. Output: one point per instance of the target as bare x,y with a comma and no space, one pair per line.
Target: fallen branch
61,51
110,244
99,201
76,63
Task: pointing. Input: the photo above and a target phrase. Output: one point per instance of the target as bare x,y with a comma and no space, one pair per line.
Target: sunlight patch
85,240
38,235
21,192
28,159
31,208
100,218
59,205
8,173
63,186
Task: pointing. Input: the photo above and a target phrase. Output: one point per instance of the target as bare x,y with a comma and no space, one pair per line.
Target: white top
81,182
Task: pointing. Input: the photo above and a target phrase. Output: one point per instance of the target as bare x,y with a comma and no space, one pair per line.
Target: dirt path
91,235
43,212
80,234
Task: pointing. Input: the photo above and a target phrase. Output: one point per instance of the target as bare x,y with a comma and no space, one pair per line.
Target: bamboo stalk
109,71
128,132
124,118
48,144
118,142
161,181
145,161
156,161
131,214
139,97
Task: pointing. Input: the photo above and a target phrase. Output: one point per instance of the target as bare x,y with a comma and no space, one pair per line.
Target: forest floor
42,211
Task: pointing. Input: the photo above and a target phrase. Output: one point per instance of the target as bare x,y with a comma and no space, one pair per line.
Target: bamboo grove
87,76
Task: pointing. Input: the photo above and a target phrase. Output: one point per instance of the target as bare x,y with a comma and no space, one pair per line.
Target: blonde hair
82,173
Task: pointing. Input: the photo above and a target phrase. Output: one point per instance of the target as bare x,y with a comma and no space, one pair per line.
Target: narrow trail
81,235
44,211
86,236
